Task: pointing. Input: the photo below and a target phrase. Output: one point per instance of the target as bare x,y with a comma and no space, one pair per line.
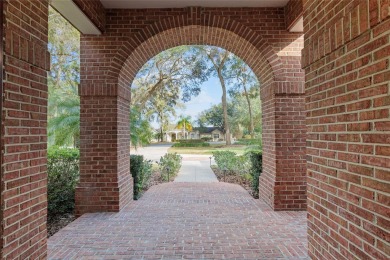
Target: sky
210,95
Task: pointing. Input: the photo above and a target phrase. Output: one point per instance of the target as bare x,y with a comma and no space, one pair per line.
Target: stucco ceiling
185,3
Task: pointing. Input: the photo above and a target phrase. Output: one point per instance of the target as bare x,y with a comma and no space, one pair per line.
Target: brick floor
186,221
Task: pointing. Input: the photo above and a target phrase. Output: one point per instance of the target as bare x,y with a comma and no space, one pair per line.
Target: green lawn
239,149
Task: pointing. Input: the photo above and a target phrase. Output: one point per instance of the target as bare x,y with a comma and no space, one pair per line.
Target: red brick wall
23,129
105,180
95,11
346,61
257,35
127,29
293,11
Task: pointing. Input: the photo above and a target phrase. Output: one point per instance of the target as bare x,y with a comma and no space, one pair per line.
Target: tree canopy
63,80
163,85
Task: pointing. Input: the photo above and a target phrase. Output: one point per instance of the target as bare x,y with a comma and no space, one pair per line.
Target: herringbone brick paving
186,221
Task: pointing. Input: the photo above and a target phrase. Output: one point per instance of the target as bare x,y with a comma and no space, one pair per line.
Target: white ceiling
185,3
72,13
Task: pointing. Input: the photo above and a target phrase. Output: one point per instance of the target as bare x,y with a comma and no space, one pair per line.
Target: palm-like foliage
64,123
185,124
63,79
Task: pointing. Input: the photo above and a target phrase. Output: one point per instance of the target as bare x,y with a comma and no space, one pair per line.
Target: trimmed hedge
191,145
256,161
141,171
248,142
63,175
190,141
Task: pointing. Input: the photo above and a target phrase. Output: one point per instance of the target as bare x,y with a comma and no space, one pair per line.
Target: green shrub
206,139
191,144
226,160
136,163
141,171
248,166
249,142
169,165
63,176
256,162
190,141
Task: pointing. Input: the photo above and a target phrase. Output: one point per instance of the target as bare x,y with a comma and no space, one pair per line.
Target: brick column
283,180
346,59
23,128
105,180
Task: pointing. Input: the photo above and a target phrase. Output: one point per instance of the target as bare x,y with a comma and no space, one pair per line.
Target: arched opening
278,181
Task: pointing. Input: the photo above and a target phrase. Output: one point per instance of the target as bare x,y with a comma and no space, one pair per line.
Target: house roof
207,129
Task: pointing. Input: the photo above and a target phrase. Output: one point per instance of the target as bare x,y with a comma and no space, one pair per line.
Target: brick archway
283,183
218,31
200,35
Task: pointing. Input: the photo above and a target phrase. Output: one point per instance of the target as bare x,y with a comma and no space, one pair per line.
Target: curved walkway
186,221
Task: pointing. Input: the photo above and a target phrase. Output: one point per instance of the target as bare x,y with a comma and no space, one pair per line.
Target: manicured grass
239,149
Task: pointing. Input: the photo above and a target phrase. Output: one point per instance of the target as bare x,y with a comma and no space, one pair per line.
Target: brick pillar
23,128
346,59
283,180
105,180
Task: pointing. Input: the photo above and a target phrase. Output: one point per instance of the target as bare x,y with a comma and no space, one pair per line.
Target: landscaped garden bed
64,174
146,174
245,182
243,169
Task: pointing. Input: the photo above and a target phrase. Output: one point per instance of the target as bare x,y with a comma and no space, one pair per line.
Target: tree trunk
218,68
161,127
251,125
224,107
185,130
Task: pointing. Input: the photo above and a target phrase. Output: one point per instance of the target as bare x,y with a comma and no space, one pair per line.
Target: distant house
173,133
213,133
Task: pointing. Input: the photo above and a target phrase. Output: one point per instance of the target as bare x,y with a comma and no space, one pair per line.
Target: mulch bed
236,179
55,223
156,179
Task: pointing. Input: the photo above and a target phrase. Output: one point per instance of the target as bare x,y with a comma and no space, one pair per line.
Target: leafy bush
206,139
249,142
141,171
226,160
191,145
190,141
63,176
247,166
169,165
256,162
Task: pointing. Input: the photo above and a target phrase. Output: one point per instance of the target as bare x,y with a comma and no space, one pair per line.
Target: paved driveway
186,221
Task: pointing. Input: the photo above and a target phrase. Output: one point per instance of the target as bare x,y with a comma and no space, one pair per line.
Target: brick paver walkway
186,221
